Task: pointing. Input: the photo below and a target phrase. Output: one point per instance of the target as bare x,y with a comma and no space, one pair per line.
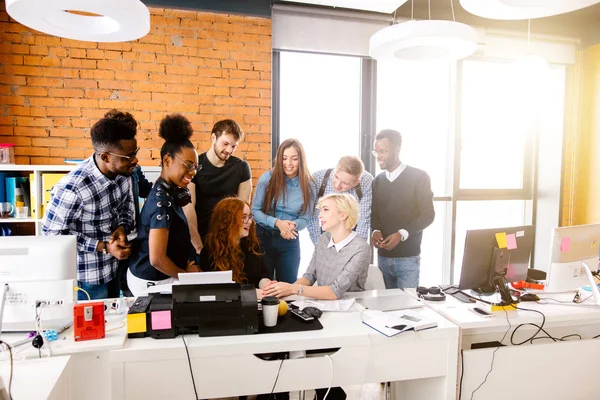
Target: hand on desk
280,289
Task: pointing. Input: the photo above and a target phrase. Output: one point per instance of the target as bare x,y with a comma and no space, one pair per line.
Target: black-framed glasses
376,153
190,167
127,157
248,217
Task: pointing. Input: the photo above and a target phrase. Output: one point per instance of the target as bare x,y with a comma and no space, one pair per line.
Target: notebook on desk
400,301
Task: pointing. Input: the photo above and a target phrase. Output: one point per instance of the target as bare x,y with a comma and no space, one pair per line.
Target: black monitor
486,266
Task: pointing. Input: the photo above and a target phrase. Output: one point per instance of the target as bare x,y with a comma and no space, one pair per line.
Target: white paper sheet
325,305
195,278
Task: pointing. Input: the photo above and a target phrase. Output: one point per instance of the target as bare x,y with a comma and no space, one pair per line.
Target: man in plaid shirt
94,203
349,176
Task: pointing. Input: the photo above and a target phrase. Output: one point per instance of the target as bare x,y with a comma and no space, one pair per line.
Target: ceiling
583,24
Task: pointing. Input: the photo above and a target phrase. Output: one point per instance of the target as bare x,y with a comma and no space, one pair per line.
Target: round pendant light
424,40
86,20
523,9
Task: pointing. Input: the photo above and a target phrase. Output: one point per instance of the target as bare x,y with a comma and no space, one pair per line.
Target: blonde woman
341,257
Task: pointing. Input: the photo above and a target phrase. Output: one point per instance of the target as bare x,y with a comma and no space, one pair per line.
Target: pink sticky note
511,241
565,244
160,320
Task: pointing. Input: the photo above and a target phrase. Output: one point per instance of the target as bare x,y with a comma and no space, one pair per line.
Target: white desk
90,361
543,370
39,379
424,363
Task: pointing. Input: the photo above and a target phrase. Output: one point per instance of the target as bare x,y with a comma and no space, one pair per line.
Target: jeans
400,272
281,256
108,290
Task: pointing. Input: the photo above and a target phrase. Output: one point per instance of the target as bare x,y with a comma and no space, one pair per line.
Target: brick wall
205,66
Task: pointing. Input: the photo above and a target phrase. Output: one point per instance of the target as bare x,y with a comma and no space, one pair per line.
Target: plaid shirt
87,204
364,205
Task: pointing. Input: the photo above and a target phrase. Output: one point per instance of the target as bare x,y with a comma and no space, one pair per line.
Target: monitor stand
593,284
501,286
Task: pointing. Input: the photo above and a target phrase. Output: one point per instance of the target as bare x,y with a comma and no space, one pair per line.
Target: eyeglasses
129,157
379,153
193,167
248,218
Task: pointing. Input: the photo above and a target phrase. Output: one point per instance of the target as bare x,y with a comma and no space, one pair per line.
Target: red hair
222,240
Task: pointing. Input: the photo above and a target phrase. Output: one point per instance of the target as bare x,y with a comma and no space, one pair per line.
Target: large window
414,99
320,106
475,127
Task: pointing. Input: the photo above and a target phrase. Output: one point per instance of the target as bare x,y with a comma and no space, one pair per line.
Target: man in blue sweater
402,208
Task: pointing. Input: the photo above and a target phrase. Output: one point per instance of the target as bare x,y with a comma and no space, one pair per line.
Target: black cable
540,327
596,337
462,373
276,379
493,356
190,364
11,369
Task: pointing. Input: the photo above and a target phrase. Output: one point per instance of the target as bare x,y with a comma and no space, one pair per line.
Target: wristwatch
104,248
300,288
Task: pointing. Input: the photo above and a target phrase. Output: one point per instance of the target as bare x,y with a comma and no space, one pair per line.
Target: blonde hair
351,165
345,203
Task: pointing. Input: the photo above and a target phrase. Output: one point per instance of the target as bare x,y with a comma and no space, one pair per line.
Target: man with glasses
94,203
220,175
402,208
140,188
349,176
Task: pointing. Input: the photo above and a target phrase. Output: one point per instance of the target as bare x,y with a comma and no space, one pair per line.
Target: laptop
400,301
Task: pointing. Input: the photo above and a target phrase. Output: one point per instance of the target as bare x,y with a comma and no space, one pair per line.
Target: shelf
32,168
13,220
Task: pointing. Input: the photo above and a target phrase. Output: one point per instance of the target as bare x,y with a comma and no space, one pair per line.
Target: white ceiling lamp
424,40
86,20
523,9
382,6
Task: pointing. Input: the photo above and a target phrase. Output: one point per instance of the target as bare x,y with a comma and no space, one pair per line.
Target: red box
88,321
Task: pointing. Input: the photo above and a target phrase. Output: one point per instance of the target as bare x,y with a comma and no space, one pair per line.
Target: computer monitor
572,245
38,269
488,256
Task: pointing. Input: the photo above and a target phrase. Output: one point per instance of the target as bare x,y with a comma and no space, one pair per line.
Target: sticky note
594,244
565,244
501,239
511,241
160,320
136,323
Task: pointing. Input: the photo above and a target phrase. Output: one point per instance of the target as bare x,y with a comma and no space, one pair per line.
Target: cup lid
270,301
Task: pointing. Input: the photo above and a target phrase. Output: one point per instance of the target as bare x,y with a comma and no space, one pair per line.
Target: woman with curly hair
163,234
232,244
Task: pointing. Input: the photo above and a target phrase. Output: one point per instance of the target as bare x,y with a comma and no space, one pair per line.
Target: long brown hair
222,238
277,186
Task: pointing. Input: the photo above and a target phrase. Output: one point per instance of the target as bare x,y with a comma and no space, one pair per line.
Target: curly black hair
177,131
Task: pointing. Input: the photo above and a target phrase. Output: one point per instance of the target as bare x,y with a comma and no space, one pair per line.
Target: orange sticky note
511,241
501,239
565,244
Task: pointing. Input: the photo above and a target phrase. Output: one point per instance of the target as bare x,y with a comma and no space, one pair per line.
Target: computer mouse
312,311
529,297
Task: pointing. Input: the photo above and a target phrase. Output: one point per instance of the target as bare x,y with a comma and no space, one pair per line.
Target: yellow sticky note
136,323
501,239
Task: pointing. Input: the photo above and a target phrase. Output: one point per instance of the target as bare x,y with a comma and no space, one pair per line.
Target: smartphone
301,314
481,312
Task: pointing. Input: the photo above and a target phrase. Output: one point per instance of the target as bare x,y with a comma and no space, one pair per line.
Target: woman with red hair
232,244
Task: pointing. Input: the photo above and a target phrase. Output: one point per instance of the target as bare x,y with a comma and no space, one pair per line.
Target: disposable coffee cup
270,308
